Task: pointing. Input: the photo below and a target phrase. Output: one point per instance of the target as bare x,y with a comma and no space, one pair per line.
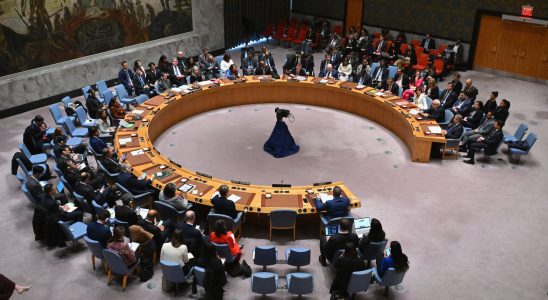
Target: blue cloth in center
281,143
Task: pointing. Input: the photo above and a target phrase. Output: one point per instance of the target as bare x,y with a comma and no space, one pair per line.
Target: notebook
362,225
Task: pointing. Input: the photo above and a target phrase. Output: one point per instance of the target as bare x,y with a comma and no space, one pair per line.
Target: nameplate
171,161
240,182
281,185
204,175
345,87
322,183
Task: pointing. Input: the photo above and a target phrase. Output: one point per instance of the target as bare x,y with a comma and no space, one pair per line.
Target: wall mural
35,33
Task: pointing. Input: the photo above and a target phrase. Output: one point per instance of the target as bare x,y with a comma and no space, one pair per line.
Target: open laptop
331,230
362,225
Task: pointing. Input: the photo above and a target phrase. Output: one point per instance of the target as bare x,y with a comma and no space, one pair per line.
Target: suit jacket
35,188
99,232
93,105
334,74
454,131
384,75
463,107
447,98
431,44
459,54
203,62
501,113
492,140
152,76
132,184
158,236
87,192
262,71
457,87
126,214
139,82
474,118
438,114
336,60
291,61
345,266
72,176
97,144
338,207
364,80
50,205
224,206
173,76
248,65
412,55
126,78
323,64
394,89
193,237
32,138
383,45
110,164
338,241
404,81
301,73
211,68
471,92
490,106
486,126
193,78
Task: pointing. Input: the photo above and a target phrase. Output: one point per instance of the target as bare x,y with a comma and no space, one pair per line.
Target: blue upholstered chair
74,232
103,88
30,197
264,283
224,252
265,256
144,199
373,67
57,114
199,275
140,99
67,184
98,207
282,219
172,272
35,159
74,131
96,252
359,282
66,101
123,96
372,251
234,225
25,170
83,118
392,71
513,152
300,283
168,212
390,278
297,257
452,145
518,135
116,265
104,170
448,117
85,91
324,222
108,95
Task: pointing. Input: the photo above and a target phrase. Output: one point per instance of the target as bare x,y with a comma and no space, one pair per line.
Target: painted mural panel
35,33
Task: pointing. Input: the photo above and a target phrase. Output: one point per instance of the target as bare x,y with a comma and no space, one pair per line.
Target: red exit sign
526,11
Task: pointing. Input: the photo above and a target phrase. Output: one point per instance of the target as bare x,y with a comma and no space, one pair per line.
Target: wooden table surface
162,112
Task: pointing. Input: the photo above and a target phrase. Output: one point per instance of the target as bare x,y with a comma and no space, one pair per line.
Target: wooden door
542,67
530,50
488,41
354,10
509,46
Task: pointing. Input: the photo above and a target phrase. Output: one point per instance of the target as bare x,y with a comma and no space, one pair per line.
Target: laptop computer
60,187
331,230
362,225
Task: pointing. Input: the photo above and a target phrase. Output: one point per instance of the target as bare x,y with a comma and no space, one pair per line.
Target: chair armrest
376,275
238,217
142,195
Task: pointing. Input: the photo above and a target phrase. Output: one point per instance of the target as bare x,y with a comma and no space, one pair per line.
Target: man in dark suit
435,112
204,59
140,83
291,61
53,206
336,58
457,84
380,75
338,207
448,97
473,120
125,212
36,189
462,106
330,245
363,77
262,69
325,62
381,46
193,236
94,141
470,90
329,72
489,144
132,183
160,232
125,77
222,205
211,68
391,87
455,128
308,64
34,134
152,74
99,231
176,73
109,161
182,61
86,190
298,71
428,43
249,63
402,79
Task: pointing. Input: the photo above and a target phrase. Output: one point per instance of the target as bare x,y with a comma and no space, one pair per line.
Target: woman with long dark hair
375,235
347,263
215,277
396,260
222,236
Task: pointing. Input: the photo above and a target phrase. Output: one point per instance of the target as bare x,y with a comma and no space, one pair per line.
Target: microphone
281,186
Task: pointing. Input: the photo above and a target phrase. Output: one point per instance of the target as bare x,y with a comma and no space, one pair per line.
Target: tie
129,79
177,72
141,80
379,75
445,97
379,48
328,75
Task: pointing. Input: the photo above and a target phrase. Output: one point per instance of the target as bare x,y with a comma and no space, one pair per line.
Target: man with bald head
329,72
469,90
193,236
160,232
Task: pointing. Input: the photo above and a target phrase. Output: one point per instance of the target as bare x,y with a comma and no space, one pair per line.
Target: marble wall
26,87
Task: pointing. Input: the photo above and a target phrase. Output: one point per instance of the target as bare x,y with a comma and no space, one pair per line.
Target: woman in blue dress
281,143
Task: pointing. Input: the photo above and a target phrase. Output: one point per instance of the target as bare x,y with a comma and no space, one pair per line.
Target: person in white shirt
345,70
103,123
176,251
226,63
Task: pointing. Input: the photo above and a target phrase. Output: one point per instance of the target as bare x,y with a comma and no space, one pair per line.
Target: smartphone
387,252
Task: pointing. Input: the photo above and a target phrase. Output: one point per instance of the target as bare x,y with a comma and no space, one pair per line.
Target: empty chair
297,257
108,95
103,88
264,283
21,177
265,256
35,159
66,101
234,225
372,251
82,203
96,251
324,222
30,197
359,282
282,219
83,117
74,232
123,95
300,283
57,114
448,117
116,265
390,278
531,139
392,71
224,252
168,212
173,272
518,135
74,131
138,199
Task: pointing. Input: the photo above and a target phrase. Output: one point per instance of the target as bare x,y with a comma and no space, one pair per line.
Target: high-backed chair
83,118
103,88
35,159
300,283
224,252
140,99
123,95
452,145
85,91
116,265
234,225
108,95
168,212
98,208
373,67
359,282
324,222
518,135
282,219
297,257
172,272
265,256
448,117
392,71
144,199
82,203
74,131
96,252
57,114
104,170
66,101
30,197
199,275
264,283
372,251
390,278
67,184
531,139
74,232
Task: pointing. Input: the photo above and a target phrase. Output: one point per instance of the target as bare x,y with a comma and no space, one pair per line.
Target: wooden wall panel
509,43
354,10
488,42
542,68
530,50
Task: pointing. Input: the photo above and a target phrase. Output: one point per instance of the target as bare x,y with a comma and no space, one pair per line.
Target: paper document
137,112
124,141
82,166
125,124
379,93
133,246
111,211
300,78
360,86
414,111
401,103
187,188
215,194
190,256
434,129
143,212
137,152
71,207
234,198
325,197
324,81
203,83
43,183
362,223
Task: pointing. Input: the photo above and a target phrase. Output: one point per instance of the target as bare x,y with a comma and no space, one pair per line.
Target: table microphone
281,186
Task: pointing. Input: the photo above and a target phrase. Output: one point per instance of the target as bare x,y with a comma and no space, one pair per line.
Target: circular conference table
150,119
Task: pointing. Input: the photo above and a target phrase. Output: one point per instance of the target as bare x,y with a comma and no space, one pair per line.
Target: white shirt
176,255
225,65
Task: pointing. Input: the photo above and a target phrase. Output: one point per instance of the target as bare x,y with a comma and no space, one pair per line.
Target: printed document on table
234,198
435,129
325,197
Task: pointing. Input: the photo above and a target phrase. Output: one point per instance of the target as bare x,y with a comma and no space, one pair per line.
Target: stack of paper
71,207
124,141
234,198
325,197
137,152
137,112
414,111
204,83
300,78
435,129
82,166
324,81
360,86
187,188
133,246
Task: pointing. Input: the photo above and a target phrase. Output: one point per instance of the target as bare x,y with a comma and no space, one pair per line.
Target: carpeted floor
471,232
